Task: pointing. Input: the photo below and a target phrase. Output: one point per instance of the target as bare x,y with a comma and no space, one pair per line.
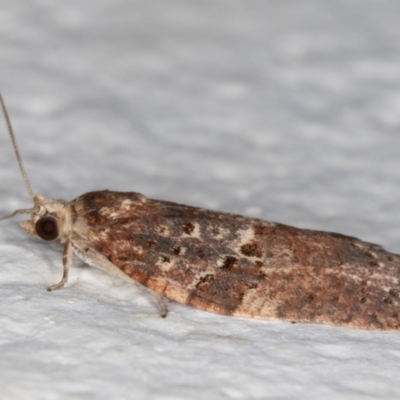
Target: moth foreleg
161,305
67,261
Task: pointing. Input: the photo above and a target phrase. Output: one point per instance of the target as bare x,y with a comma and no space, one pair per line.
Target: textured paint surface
285,111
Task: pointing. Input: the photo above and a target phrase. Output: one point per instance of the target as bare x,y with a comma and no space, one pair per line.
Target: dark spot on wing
151,243
229,263
188,228
165,259
251,250
176,250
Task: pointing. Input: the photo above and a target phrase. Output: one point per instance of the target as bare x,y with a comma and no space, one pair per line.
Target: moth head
48,219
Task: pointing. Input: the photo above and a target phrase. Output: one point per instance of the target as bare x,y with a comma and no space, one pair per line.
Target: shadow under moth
221,262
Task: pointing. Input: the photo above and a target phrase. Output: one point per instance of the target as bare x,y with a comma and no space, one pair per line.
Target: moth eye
47,228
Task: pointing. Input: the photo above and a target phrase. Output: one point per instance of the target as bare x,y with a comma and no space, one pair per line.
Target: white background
283,110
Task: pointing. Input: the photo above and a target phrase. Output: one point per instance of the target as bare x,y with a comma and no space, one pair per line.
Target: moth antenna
16,212
14,143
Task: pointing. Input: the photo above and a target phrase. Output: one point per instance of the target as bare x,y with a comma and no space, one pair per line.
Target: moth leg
161,305
67,261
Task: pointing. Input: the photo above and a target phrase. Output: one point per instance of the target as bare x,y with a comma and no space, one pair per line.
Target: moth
221,262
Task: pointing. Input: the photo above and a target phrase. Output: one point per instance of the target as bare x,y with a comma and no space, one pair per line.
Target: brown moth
220,262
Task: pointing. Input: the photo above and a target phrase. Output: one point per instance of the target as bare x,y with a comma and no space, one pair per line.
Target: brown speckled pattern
240,266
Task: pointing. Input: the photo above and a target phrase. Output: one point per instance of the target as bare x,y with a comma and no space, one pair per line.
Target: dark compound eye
47,228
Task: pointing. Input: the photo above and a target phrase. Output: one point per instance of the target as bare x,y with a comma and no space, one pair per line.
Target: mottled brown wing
240,266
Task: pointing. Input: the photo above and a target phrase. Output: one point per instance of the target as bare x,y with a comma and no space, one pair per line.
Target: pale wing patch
163,230
164,263
245,235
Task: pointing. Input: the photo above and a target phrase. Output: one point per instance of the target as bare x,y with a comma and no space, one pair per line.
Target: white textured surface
289,111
